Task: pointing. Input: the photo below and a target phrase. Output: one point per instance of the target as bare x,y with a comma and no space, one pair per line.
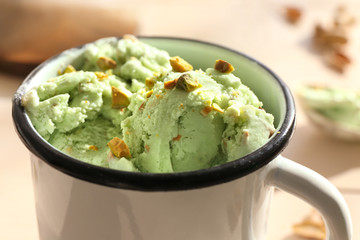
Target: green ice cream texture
166,129
337,104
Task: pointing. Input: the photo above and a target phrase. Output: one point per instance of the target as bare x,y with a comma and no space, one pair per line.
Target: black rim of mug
154,181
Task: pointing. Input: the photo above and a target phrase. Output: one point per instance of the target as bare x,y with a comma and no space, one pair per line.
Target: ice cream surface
130,106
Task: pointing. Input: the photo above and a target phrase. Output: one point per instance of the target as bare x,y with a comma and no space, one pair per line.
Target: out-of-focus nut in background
32,31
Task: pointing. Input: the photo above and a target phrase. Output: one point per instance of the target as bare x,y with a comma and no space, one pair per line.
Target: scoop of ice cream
127,97
178,130
339,105
128,58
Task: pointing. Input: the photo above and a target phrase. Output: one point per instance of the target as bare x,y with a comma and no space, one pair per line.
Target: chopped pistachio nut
69,150
217,108
311,227
147,147
292,14
223,66
93,147
337,60
69,68
187,82
119,98
106,63
170,84
246,133
149,93
119,148
177,138
142,106
206,110
180,65
150,82
101,76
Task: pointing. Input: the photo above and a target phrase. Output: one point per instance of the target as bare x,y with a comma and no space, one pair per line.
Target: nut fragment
93,147
329,39
149,93
177,138
312,227
119,98
170,84
217,108
292,14
69,68
187,83
101,76
106,63
150,82
180,65
223,66
343,18
206,110
119,148
337,60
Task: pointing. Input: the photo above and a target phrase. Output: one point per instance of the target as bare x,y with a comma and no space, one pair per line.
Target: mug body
72,209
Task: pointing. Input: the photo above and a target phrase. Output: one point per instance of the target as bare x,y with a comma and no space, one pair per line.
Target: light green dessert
130,106
338,105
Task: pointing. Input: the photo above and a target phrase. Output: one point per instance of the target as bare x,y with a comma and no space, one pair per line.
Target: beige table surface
257,29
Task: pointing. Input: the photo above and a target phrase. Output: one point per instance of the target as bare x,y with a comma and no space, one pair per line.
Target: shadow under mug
76,200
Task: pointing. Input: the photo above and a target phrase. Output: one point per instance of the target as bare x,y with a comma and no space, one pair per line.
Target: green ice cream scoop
168,121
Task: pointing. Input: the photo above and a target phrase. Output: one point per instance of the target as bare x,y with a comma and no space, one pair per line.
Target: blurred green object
334,109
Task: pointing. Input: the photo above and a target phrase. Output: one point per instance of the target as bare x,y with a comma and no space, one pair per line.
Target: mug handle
315,190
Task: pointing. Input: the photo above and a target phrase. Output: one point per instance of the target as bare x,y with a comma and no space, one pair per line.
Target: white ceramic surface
72,209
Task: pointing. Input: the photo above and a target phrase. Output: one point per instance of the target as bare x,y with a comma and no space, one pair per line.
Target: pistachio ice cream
129,106
338,105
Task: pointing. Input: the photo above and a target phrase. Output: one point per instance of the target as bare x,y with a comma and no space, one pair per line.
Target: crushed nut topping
187,83
328,39
69,68
223,66
170,84
119,98
101,76
292,14
150,82
93,147
337,60
142,106
312,227
246,133
331,41
217,108
147,147
149,93
343,18
206,110
177,138
106,63
180,65
119,148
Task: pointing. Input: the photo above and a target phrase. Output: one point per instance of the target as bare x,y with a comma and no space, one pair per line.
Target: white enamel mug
76,200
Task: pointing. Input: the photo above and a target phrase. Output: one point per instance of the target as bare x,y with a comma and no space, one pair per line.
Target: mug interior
267,86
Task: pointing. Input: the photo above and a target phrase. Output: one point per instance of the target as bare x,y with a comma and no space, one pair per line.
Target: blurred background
278,33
